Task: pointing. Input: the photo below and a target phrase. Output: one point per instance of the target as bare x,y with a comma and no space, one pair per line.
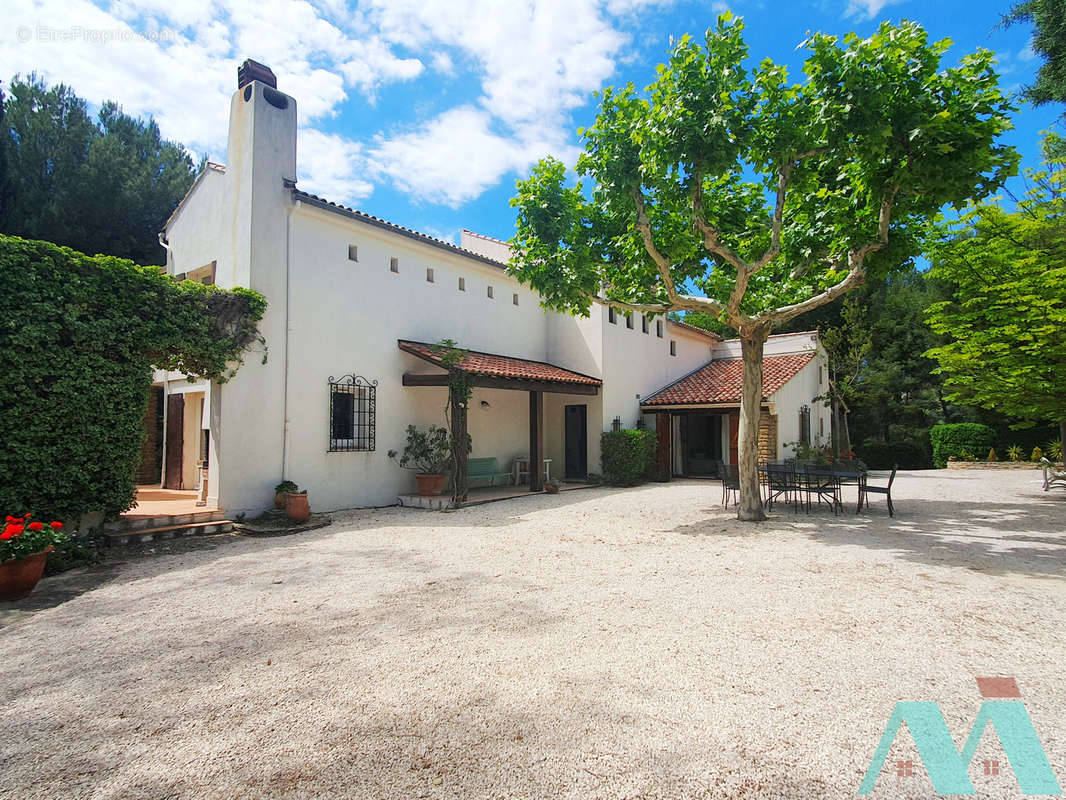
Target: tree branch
774,250
643,225
856,262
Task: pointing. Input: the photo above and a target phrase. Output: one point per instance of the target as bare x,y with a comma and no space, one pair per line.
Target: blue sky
424,112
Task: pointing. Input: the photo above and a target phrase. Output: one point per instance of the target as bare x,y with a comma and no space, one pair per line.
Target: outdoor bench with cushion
1054,474
486,472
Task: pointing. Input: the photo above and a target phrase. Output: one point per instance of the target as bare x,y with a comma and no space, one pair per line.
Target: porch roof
721,382
492,370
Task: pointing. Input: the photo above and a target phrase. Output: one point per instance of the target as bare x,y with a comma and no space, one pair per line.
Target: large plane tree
725,188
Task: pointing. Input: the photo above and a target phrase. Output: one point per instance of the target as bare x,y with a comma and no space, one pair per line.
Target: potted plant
297,506
282,489
24,548
551,487
429,454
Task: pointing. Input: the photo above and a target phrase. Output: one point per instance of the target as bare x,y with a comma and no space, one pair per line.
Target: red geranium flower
57,525
11,531
35,526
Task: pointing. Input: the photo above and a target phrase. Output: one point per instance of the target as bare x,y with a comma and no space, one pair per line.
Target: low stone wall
993,465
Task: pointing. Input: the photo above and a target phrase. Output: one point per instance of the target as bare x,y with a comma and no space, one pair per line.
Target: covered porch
558,408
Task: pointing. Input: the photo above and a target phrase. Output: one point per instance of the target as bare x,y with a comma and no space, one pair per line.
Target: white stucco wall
329,316
640,363
799,391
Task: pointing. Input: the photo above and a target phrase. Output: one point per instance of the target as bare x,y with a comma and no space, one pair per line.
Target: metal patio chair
782,481
865,489
823,484
730,475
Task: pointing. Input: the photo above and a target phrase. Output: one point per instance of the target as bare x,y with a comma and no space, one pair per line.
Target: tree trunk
751,347
845,432
1062,439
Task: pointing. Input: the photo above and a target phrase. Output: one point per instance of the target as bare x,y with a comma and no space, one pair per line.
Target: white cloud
527,65
185,75
867,9
455,157
332,166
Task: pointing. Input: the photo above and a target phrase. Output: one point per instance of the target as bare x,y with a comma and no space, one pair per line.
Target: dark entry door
175,441
577,442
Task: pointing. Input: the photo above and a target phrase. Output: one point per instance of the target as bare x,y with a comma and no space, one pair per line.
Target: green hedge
885,455
78,339
958,438
627,456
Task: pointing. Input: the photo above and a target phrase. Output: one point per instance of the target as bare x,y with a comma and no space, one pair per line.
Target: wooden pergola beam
514,384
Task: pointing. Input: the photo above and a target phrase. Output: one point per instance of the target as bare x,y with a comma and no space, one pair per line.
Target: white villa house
355,303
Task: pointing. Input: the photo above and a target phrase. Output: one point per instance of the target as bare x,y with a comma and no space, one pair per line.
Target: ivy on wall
79,336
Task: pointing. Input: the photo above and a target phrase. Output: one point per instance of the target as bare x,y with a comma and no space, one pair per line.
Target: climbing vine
78,340
460,390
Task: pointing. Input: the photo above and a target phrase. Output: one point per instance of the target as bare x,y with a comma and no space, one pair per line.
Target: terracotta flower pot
430,485
551,488
279,499
19,575
297,507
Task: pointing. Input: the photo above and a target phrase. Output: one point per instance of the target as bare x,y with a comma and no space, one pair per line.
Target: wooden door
577,441
175,441
663,431
734,437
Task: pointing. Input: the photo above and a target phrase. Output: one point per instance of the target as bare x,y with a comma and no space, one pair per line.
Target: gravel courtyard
599,643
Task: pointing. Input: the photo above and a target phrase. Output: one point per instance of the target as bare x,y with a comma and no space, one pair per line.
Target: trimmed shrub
78,340
959,439
885,455
627,456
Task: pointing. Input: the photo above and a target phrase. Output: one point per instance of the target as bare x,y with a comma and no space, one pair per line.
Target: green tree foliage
733,192
1006,313
1048,18
104,186
77,345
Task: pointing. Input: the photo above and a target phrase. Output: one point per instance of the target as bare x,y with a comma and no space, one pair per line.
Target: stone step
132,523
141,535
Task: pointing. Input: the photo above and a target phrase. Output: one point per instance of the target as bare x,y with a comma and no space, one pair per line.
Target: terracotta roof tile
722,381
497,366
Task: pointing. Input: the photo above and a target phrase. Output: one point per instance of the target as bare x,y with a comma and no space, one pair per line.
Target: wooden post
536,441
662,432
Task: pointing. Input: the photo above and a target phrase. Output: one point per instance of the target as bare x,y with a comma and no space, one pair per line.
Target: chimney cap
254,71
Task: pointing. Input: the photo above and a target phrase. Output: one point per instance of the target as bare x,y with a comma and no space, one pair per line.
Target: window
819,376
394,264
429,274
490,295
352,413
462,284
514,298
353,253
821,426
629,320
612,316
659,328
673,347
643,323
805,424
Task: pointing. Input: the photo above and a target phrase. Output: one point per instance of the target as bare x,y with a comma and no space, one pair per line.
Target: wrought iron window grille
352,413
